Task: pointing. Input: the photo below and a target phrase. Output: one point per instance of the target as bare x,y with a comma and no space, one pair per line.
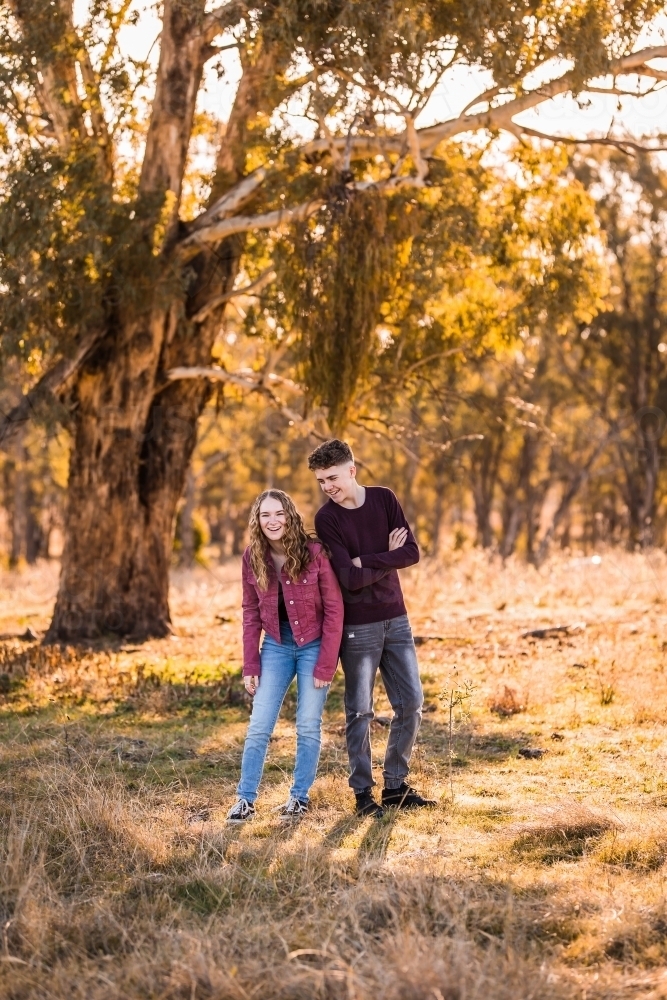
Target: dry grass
540,878
507,701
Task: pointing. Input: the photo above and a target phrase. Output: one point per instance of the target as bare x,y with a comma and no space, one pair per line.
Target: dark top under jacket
372,593
282,608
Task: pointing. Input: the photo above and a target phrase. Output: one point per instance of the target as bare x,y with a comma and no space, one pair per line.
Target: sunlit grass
535,877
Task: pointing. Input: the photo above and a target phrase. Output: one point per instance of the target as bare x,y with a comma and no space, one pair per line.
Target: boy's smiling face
338,482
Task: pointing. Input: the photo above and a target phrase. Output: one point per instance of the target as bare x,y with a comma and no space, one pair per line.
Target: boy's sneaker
293,809
366,804
405,797
241,811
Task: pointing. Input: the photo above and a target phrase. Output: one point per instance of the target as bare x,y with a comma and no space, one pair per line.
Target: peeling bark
114,575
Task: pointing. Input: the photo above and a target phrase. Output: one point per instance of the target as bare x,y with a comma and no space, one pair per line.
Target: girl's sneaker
293,809
241,811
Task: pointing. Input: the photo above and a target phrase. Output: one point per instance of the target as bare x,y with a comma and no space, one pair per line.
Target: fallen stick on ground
553,631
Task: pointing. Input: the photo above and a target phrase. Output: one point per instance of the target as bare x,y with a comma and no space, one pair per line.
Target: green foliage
70,254
342,268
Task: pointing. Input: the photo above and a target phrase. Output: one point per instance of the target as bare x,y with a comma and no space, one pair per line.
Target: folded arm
351,577
406,555
402,548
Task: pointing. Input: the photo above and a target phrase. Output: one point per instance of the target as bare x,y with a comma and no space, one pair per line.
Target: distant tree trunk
187,539
534,506
407,497
437,516
34,533
518,496
441,477
483,481
19,507
642,484
569,494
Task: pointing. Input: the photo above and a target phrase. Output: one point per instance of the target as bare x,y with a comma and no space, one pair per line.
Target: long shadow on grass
375,842
340,830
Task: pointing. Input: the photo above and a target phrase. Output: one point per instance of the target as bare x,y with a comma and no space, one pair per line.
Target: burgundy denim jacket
314,605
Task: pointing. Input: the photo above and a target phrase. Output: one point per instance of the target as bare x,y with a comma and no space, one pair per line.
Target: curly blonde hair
295,539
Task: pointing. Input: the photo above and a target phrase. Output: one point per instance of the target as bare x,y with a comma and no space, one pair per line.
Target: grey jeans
390,647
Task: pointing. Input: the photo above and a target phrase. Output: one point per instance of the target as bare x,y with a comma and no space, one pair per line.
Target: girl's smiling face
272,519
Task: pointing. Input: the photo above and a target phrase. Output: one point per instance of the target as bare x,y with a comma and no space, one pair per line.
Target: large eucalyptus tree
113,302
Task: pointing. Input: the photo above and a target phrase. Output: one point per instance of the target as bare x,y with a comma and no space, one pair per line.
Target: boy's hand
397,538
356,562
251,684
319,683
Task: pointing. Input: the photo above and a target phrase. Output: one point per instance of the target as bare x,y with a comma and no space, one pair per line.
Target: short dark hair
330,453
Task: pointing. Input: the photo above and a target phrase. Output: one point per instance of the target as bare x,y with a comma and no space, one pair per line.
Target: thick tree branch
223,17
655,74
488,95
55,79
256,286
93,105
45,388
500,116
232,200
278,219
628,146
258,384
219,221
182,56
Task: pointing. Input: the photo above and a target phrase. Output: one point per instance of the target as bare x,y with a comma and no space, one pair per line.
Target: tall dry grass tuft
565,833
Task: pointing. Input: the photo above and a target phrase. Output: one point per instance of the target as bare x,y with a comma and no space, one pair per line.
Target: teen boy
369,540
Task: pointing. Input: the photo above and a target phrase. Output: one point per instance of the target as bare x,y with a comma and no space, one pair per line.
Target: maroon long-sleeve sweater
372,593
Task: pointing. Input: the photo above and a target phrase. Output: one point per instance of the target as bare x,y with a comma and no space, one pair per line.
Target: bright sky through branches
589,115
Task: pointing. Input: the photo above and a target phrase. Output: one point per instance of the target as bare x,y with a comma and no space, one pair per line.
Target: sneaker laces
240,809
292,807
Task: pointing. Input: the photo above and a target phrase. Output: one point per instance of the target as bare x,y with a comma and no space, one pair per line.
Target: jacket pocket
309,597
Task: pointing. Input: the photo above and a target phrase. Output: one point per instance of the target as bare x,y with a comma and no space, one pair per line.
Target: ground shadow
469,744
375,841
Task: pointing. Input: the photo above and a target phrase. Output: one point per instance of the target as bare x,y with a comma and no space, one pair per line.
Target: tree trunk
114,575
134,434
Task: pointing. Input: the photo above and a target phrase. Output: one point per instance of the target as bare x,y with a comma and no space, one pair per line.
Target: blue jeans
389,647
281,663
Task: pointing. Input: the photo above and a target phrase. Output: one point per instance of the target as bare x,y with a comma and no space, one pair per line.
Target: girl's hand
251,684
320,684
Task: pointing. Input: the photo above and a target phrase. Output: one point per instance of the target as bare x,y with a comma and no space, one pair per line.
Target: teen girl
290,592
